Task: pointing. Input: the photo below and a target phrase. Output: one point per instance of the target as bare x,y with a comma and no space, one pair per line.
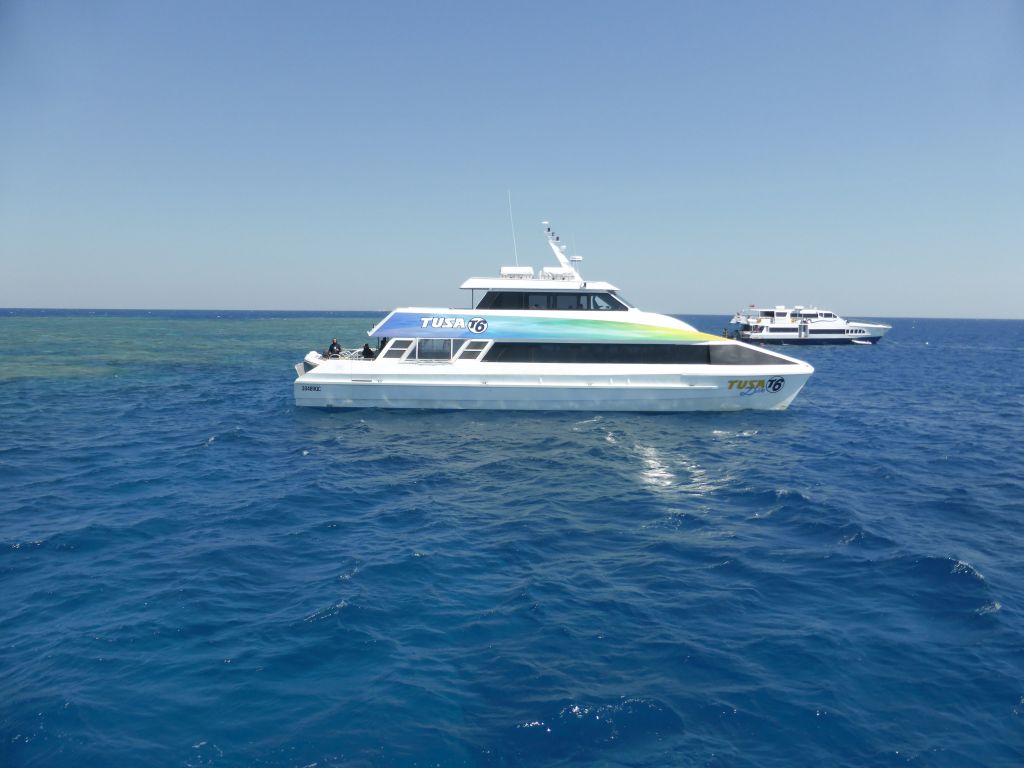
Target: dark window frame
549,300
628,354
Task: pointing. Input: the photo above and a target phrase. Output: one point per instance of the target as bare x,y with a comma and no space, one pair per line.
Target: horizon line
386,311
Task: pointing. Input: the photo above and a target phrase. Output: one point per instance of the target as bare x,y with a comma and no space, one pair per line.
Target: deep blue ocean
195,572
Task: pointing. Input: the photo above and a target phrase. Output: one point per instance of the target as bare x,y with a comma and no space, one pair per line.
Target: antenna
515,248
575,260
569,263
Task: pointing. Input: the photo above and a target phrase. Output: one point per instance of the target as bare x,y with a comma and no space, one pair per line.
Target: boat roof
783,308
564,277
529,325
509,283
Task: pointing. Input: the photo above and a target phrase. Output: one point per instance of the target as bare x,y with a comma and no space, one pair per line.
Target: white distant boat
548,341
803,325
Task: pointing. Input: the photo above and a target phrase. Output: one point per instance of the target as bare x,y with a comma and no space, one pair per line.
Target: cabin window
564,301
739,354
620,354
502,300
570,301
471,350
398,348
605,302
434,349
650,354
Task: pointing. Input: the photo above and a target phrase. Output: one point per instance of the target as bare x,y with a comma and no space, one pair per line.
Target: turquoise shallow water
195,572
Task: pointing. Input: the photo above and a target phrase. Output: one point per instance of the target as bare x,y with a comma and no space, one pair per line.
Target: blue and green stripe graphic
446,325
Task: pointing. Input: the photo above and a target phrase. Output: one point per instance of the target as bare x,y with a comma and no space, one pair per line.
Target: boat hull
671,391
753,330
808,341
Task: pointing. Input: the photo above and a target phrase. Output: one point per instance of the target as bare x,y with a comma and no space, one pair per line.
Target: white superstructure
549,340
803,325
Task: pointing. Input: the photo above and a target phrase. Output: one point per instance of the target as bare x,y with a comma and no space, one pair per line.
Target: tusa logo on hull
474,324
753,386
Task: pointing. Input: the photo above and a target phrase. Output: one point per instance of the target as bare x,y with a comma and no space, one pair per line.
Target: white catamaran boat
548,341
803,325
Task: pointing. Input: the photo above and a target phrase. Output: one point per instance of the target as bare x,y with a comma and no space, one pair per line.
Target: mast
568,263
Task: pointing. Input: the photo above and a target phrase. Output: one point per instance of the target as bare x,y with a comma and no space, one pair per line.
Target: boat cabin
560,288
796,313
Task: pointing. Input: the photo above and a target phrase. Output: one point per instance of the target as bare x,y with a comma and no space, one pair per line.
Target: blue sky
863,156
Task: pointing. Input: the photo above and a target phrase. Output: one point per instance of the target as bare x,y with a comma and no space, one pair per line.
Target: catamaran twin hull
359,384
543,342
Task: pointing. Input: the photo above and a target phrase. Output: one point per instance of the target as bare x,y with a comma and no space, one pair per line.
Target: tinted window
498,300
550,300
663,354
607,302
398,347
472,349
434,349
739,354
624,301
570,301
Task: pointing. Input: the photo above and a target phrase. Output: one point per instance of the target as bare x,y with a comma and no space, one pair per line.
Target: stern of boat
309,362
